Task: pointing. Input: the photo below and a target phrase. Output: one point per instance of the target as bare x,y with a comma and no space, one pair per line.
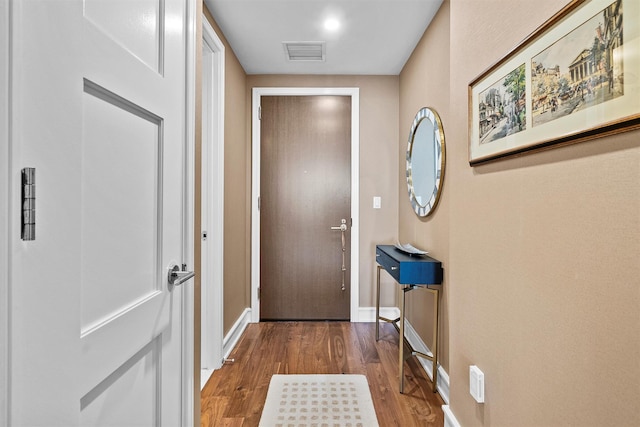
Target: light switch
377,202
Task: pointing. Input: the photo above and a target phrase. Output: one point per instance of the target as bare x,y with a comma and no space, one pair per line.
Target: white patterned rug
318,401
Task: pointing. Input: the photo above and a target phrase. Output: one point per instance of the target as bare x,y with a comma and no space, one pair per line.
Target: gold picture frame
577,77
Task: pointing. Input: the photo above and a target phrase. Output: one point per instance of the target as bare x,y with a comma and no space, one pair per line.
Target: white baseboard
449,418
229,342
368,314
419,345
231,339
205,374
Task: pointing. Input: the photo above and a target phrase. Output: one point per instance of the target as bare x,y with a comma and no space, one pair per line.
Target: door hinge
259,290
258,202
259,112
28,204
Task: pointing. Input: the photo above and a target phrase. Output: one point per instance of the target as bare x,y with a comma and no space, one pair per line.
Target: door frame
257,93
5,180
212,317
189,376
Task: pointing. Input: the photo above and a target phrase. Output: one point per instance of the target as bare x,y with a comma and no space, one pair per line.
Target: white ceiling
375,37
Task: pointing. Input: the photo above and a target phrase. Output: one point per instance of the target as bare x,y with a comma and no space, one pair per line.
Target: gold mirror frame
434,158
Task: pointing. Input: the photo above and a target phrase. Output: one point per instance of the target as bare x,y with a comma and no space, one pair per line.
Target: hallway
235,394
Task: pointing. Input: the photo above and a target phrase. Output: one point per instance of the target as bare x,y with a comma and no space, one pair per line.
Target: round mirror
425,161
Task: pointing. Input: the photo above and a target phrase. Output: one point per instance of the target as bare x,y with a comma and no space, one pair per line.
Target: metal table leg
434,351
401,338
378,304
399,325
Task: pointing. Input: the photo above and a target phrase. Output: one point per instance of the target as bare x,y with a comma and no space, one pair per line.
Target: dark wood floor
235,394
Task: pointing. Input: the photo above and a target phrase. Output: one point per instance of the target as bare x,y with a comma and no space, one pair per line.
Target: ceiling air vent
304,51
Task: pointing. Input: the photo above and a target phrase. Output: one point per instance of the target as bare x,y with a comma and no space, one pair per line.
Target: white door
98,109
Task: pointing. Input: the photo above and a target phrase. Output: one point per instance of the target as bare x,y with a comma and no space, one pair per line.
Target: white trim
205,374
213,77
368,314
232,338
230,341
355,188
443,383
419,345
188,318
5,179
449,419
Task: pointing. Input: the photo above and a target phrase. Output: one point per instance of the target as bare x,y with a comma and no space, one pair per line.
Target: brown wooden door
305,187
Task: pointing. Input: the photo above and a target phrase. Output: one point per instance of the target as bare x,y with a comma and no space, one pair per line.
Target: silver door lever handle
342,227
177,277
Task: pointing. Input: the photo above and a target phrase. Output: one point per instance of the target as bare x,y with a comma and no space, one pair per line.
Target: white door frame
212,323
258,92
4,212
188,310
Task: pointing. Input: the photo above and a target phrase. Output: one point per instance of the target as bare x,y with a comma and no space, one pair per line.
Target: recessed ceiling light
331,24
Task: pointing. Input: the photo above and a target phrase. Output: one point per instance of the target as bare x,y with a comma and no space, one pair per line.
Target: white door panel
127,397
115,136
99,111
136,25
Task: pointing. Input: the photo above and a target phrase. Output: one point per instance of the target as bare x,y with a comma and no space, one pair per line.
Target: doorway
212,202
352,217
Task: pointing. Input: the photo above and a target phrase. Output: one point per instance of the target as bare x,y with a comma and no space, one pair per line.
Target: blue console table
410,272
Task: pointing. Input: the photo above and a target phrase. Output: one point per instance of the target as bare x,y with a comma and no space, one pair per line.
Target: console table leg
401,342
378,304
436,307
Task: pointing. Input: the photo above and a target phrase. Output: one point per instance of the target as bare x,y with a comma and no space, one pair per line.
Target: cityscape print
502,107
582,69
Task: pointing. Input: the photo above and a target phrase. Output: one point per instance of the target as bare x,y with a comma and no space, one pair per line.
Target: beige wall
541,252
237,189
378,166
424,82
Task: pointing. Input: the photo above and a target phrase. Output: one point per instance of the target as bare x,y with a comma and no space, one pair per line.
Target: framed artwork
577,77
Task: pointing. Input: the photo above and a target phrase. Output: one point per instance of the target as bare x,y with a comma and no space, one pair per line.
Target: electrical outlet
476,383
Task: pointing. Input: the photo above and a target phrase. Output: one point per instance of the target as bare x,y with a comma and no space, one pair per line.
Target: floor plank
235,394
